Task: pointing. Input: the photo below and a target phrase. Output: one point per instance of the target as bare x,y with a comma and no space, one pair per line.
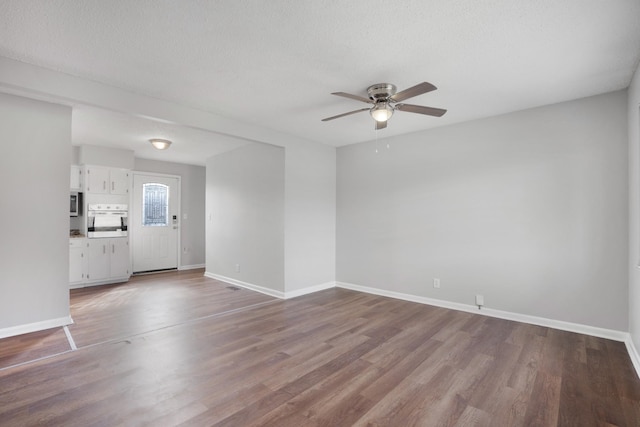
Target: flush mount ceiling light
160,144
385,100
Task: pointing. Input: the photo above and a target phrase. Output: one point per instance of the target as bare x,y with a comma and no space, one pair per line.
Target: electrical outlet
436,283
237,268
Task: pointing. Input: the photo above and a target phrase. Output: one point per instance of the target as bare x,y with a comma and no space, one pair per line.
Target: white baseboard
191,267
610,334
309,290
272,292
524,318
633,354
88,284
35,327
257,288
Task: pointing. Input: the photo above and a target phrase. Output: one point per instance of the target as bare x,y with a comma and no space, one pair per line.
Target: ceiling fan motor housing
380,92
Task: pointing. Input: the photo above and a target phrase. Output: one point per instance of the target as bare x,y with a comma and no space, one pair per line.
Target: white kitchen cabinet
119,181
99,259
119,257
108,260
77,261
104,180
75,182
96,180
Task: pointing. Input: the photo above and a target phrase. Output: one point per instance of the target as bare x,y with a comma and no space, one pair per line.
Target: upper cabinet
119,181
96,180
76,178
104,180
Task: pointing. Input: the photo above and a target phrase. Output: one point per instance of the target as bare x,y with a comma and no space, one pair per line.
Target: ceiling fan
385,100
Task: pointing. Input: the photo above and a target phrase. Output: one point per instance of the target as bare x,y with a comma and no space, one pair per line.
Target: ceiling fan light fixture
384,99
381,112
160,144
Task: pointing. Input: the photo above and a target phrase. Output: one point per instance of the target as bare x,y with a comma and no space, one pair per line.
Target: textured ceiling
96,126
274,63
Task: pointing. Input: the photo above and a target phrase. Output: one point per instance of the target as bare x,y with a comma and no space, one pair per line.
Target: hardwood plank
27,347
338,393
496,377
474,417
222,404
543,408
402,367
410,402
510,406
301,366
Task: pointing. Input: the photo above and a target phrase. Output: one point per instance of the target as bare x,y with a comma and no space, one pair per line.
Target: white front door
154,222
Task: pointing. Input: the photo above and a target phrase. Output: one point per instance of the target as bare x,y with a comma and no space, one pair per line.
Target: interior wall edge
35,326
309,290
191,267
633,354
633,124
246,285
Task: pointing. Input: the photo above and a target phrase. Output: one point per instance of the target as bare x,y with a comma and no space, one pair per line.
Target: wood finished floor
191,355
150,302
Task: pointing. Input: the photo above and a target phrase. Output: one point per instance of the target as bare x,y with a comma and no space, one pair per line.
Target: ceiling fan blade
345,114
356,97
416,90
381,125
429,111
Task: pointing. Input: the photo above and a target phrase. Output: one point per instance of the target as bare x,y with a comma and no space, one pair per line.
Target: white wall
192,203
307,171
310,226
634,208
75,155
245,215
34,188
105,156
528,209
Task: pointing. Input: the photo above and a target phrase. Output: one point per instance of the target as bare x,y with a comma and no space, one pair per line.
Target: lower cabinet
99,259
103,261
120,257
77,261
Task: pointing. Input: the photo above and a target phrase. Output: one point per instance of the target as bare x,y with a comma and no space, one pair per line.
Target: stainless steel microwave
75,203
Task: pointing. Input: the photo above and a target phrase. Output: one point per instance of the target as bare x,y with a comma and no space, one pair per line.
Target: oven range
107,220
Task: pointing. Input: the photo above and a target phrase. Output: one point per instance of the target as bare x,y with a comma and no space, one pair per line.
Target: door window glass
155,205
